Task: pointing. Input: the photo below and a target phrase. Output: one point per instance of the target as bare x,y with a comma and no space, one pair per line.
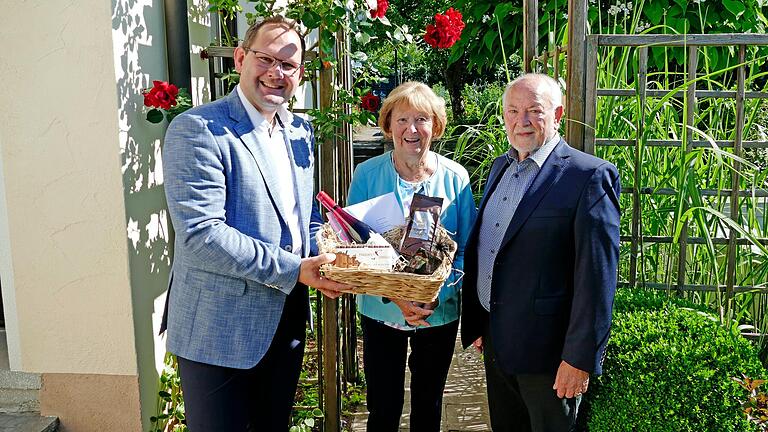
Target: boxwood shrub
668,368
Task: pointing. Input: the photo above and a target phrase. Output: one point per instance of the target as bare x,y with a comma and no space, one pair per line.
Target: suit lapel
497,170
244,129
298,152
548,175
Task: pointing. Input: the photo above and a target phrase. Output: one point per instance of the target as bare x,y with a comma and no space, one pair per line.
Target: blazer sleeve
315,222
596,227
196,190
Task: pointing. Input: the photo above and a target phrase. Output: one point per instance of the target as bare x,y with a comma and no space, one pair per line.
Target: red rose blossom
381,9
446,30
370,102
161,95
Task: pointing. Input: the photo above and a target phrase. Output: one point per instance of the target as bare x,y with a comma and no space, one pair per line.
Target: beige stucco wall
63,190
92,403
84,253
65,264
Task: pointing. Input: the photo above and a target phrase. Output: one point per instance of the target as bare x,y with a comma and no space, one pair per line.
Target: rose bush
370,102
161,95
166,101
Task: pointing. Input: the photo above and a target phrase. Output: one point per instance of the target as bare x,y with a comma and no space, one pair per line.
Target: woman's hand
414,315
430,306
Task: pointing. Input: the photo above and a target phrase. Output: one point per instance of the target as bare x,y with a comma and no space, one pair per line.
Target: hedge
668,368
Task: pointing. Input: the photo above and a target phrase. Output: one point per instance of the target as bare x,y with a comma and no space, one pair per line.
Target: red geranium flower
161,95
370,102
446,30
381,9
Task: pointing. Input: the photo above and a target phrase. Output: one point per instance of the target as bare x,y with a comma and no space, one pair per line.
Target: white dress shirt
273,137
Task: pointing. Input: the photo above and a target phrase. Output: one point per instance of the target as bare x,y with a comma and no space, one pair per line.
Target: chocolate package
417,245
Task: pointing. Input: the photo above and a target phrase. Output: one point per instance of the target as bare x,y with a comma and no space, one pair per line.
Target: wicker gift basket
388,283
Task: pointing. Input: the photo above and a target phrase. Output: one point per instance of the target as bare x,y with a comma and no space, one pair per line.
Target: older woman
412,115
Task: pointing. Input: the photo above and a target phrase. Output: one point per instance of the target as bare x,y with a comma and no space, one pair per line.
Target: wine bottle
357,230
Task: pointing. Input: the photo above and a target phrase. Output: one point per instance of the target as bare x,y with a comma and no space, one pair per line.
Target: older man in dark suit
541,266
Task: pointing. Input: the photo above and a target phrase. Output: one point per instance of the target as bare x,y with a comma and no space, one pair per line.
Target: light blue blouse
377,176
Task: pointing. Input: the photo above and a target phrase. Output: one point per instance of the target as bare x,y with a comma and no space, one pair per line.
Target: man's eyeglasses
268,62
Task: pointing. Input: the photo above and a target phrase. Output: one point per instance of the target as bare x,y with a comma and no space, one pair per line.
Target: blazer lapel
497,170
296,139
244,129
547,176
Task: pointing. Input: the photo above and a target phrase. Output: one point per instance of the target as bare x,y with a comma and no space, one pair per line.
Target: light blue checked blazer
232,266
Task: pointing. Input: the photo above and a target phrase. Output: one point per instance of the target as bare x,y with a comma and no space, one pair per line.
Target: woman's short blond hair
418,96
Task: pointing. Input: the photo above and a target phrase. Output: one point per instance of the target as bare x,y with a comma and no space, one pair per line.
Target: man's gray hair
552,87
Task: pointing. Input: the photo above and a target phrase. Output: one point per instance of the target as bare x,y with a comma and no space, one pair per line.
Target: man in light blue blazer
239,183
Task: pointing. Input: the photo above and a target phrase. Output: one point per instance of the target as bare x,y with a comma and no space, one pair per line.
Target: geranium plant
380,9
165,100
446,30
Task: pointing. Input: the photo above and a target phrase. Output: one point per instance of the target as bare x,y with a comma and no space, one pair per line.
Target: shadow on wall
140,57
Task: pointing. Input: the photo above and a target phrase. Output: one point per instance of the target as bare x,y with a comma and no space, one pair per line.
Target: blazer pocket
217,283
551,212
549,305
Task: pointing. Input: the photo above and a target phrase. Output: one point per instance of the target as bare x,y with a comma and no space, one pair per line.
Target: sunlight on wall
199,39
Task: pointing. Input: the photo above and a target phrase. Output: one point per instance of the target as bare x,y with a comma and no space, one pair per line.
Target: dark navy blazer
554,277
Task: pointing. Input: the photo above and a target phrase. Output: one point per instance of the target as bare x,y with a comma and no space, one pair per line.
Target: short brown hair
279,20
418,96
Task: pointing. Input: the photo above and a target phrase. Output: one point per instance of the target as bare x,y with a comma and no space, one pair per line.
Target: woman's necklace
414,173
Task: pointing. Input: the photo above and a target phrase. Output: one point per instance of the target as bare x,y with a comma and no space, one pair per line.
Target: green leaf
658,56
503,10
674,12
714,58
311,19
735,7
399,35
489,39
362,38
654,11
155,116
479,9
327,42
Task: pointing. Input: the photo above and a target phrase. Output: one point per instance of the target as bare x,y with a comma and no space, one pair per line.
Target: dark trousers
221,399
384,356
525,402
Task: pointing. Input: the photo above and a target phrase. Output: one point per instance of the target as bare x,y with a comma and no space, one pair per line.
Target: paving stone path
465,406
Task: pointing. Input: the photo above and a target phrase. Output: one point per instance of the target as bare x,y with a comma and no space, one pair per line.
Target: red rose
370,102
446,30
161,95
381,9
